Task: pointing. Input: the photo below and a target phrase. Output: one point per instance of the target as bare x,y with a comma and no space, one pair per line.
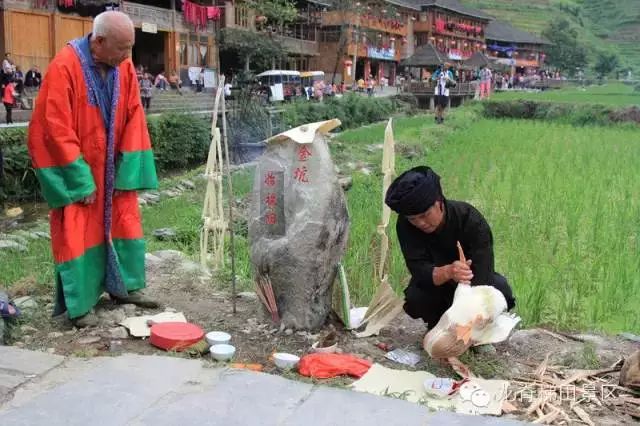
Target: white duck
476,317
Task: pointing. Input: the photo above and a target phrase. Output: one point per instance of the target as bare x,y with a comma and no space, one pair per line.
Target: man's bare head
112,38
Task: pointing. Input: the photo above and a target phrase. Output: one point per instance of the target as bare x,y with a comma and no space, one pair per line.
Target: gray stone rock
188,184
43,234
26,234
10,245
142,201
150,198
189,267
26,329
55,335
88,340
248,295
631,337
15,237
594,339
165,234
111,317
129,309
170,193
288,332
346,182
169,255
119,333
26,303
301,250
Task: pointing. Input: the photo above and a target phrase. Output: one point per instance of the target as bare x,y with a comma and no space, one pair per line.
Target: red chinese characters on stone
271,200
300,174
270,218
270,179
304,153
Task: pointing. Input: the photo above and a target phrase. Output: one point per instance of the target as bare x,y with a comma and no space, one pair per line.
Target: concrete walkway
41,389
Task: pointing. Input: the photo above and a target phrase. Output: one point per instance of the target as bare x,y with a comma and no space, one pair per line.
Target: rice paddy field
616,94
563,203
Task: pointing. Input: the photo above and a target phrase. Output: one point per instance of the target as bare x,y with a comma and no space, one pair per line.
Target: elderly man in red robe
91,151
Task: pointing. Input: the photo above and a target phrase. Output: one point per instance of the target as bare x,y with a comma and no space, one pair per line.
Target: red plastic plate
175,336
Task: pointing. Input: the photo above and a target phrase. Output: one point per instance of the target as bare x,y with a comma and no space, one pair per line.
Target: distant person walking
9,98
146,91
444,79
485,83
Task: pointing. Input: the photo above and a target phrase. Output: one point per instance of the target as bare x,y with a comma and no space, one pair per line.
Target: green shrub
352,110
179,140
18,180
575,114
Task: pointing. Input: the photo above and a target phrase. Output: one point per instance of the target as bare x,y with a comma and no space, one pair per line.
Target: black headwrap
414,191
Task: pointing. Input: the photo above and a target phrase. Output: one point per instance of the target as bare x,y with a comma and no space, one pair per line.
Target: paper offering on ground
403,357
475,397
138,326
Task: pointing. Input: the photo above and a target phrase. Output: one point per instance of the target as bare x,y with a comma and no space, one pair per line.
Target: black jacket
422,252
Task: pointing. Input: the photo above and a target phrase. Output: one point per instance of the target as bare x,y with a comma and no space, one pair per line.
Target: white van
281,82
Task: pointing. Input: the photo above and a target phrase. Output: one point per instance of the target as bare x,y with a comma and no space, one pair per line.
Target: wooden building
368,39
452,28
299,39
166,39
33,31
514,48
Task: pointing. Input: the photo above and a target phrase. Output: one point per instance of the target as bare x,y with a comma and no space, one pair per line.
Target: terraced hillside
603,24
617,21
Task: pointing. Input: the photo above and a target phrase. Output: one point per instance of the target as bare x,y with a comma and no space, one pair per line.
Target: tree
566,53
606,63
277,12
251,46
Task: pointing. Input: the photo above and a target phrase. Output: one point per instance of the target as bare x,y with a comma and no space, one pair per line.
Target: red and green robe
87,135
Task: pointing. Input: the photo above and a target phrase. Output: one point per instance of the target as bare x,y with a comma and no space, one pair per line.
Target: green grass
609,94
566,228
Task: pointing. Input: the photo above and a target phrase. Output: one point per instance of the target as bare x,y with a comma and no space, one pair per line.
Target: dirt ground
181,285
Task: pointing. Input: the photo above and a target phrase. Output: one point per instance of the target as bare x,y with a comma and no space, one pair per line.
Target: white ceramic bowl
218,338
326,350
222,352
285,361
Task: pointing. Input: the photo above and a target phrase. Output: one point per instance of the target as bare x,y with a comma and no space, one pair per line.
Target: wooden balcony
297,46
339,18
26,5
163,18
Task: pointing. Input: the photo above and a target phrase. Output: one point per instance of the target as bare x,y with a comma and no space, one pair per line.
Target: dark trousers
430,303
146,102
8,107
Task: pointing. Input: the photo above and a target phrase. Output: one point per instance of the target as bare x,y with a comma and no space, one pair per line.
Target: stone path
41,389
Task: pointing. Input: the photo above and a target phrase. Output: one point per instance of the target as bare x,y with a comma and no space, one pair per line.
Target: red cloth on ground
324,366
